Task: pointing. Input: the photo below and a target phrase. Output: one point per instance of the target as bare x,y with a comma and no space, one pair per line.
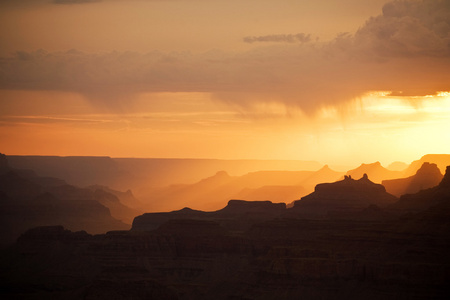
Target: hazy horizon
335,82
331,164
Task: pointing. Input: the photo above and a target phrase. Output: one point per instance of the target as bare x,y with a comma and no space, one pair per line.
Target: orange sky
339,82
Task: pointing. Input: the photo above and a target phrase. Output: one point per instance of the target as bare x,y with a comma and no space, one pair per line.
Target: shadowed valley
348,238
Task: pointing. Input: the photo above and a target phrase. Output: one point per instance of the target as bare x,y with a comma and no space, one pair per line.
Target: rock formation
237,215
247,250
438,196
278,258
375,171
28,200
426,177
347,195
441,160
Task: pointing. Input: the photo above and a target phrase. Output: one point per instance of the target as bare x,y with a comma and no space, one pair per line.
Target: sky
339,82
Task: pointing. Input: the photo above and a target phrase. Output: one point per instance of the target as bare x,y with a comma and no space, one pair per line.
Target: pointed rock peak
446,180
185,209
325,168
348,177
219,177
365,179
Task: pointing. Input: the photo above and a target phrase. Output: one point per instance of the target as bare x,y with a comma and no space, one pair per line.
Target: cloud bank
406,48
279,38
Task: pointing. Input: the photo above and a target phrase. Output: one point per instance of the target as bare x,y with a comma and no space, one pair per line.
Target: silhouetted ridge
56,233
445,183
375,170
29,200
426,177
151,221
242,206
345,195
425,199
441,160
350,185
237,215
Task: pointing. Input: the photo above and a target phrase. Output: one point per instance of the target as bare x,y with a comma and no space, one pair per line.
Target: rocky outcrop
237,215
375,171
117,209
127,198
441,160
200,255
427,176
247,250
151,221
348,195
198,259
444,185
28,200
248,207
426,199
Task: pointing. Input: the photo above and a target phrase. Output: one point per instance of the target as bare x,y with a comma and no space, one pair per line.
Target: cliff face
248,207
247,250
237,215
441,160
427,176
426,199
198,259
347,195
28,200
445,182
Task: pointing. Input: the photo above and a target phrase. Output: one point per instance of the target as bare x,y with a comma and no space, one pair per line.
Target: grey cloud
407,28
279,38
404,49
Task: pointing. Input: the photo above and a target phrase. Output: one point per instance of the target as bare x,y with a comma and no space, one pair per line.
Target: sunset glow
166,79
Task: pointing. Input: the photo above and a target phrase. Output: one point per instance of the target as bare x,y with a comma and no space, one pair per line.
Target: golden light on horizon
166,79
136,122
377,127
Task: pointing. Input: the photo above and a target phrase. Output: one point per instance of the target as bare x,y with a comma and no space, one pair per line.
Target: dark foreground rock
343,197
237,215
198,259
245,251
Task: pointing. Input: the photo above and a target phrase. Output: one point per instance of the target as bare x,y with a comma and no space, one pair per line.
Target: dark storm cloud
407,28
404,49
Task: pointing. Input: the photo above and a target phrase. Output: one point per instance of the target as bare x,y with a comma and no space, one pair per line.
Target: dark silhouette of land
347,239
28,200
426,177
